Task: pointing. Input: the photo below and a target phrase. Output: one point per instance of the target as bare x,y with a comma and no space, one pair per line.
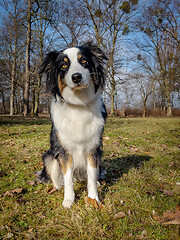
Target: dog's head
75,74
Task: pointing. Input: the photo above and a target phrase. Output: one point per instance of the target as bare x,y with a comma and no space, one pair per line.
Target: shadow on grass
116,167
19,120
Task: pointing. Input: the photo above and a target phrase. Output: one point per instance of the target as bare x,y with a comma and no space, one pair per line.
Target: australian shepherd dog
75,77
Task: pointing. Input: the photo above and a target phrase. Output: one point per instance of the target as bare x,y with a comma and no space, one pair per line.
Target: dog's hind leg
53,169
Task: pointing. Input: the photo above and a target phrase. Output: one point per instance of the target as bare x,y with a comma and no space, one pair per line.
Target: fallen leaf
176,221
93,202
167,192
124,175
32,183
149,193
106,138
21,201
143,235
9,235
133,148
119,215
13,192
52,190
129,213
11,143
169,217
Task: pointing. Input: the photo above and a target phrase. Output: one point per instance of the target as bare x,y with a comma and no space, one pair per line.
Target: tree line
140,38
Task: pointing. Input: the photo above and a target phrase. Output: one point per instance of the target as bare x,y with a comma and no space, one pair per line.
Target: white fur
68,189
92,182
79,128
80,97
53,169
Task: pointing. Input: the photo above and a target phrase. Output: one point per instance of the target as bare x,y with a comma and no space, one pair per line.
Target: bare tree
27,73
146,88
159,23
46,16
11,35
70,24
110,19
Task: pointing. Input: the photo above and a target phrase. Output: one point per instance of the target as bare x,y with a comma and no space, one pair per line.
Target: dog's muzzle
77,79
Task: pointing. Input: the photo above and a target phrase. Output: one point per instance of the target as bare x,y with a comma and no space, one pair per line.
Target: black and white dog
75,77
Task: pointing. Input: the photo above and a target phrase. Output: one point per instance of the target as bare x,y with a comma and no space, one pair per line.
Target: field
140,194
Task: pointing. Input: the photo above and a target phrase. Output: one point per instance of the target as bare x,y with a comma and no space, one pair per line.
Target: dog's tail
42,176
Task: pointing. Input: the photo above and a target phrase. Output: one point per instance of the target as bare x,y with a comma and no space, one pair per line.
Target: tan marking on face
66,59
66,164
79,56
61,85
92,162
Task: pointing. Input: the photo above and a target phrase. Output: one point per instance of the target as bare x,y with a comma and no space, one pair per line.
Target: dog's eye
84,61
64,66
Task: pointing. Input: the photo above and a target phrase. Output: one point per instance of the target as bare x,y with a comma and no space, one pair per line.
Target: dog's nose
77,77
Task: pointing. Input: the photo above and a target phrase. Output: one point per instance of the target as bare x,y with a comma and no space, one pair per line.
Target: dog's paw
67,203
94,198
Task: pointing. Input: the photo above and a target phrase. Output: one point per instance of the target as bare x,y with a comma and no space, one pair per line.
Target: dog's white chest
79,128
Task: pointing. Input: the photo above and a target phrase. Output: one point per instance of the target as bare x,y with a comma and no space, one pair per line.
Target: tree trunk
33,99
112,96
154,100
3,104
167,98
144,109
13,74
36,105
168,102
27,75
12,91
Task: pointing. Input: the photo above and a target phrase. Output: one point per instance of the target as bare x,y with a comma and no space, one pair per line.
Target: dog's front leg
92,171
68,185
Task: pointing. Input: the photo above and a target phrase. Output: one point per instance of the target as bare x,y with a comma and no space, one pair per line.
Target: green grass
141,157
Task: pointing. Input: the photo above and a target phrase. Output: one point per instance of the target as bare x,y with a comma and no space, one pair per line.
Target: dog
75,76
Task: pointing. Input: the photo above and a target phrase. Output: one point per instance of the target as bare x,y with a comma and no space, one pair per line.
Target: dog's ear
49,62
98,58
50,67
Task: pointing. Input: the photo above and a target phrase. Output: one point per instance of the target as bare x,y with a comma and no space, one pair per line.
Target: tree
71,24
159,23
5,86
38,12
11,37
110,20
27,73
146,88
45,20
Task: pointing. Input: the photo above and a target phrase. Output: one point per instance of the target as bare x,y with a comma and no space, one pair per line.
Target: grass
142,164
